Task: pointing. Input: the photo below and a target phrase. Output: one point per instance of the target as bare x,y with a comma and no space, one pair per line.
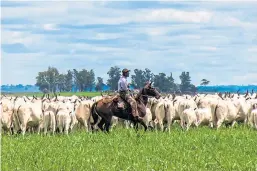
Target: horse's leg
100,124
143,124
108,124
135,125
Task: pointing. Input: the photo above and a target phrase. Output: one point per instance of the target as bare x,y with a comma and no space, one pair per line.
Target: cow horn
43,96
34,97
220,95
173,96
174,101
195,98
246,93
55,97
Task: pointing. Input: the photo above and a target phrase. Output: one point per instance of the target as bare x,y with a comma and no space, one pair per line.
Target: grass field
197,149
89,94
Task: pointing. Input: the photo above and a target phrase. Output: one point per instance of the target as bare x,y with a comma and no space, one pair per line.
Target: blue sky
211,39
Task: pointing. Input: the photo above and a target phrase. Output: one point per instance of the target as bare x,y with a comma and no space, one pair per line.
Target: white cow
254,114
6,114
49,120
188,118
83,113
204,116
63,117
159,115
30,115
225,111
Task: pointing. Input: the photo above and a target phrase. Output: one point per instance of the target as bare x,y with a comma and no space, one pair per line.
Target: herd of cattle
64,114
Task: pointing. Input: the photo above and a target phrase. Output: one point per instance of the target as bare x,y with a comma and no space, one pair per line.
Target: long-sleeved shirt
122,84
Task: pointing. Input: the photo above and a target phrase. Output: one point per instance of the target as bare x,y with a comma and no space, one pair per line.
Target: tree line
52,80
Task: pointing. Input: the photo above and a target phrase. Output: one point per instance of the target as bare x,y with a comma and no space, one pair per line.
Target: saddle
117,100
108,99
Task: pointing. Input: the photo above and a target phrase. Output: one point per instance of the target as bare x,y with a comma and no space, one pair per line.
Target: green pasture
124,149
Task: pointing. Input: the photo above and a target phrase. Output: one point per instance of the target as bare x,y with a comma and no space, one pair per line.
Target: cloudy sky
213,40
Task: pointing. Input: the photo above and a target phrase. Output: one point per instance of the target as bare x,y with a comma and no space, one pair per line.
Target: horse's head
151,91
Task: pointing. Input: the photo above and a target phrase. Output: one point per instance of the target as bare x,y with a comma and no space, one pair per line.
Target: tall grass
122,149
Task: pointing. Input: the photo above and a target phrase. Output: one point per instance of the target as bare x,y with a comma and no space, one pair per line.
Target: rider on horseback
123,88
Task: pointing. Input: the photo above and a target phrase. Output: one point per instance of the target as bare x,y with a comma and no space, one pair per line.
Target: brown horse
109,106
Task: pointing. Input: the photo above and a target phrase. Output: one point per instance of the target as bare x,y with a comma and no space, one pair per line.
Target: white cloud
162,39
252,49
161,15
50,27
106,36
245,79
24,37
208,48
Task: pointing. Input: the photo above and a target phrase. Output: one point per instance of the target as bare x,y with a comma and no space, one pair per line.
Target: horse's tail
94,113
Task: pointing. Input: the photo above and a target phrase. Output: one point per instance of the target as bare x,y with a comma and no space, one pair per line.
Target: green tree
140,77
48,79
84,79
52,75
99,84
192,88
164,83
185,81
78,79
137,80
148,75
171,84
68,81
114,76
159,81
41,82
90,82
61,82
204,82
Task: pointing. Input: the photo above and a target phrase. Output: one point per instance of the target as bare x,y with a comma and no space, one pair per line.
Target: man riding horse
123,88
103,110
